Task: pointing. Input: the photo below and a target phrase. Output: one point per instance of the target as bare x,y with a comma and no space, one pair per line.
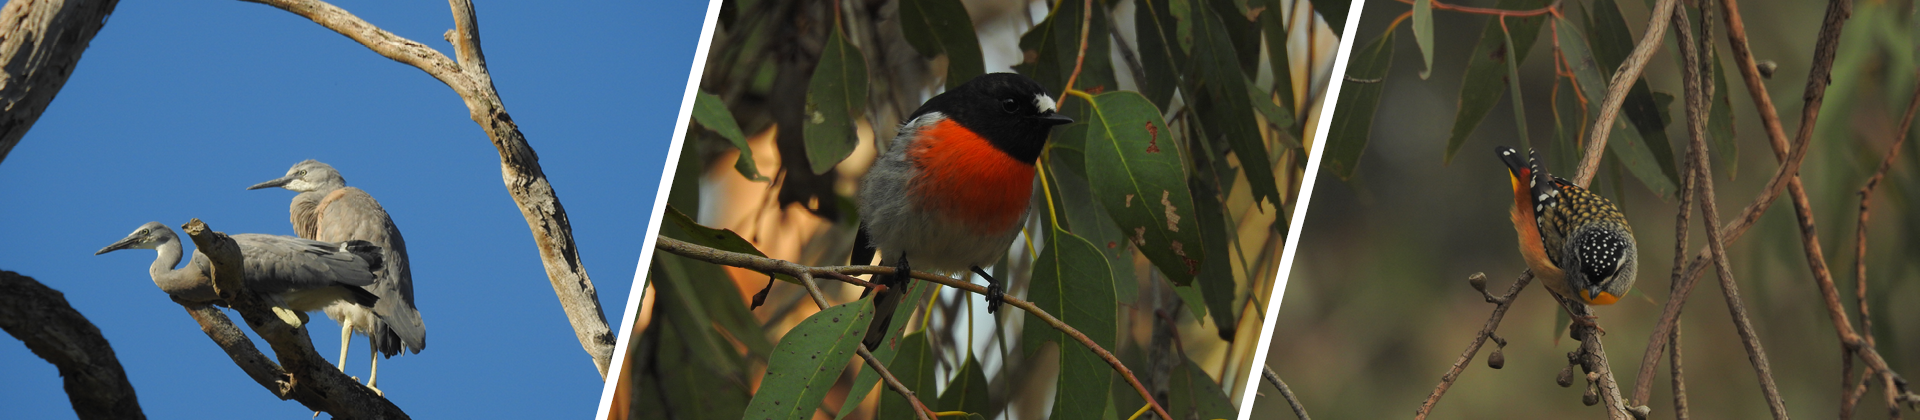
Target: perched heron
328,210
299,275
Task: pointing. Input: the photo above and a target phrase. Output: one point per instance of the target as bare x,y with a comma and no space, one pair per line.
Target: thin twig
1699,92
1501,304
1594,357
1438,5
1287,393
759,263
1623,81
1851,394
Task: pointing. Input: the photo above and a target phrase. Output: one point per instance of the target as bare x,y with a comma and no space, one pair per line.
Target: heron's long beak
274,183
124,243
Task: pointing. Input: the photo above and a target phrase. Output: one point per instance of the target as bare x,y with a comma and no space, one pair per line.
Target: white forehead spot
1043,103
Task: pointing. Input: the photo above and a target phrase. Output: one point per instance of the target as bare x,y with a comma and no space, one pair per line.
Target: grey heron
299,275
328,210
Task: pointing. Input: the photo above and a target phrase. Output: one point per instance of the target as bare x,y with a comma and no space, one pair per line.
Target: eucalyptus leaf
808,360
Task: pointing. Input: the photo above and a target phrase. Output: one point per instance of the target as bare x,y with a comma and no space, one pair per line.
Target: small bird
328,210
952,190
299,275
1576,242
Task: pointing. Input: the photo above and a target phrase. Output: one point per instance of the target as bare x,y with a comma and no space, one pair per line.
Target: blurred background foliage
1378,306
795,98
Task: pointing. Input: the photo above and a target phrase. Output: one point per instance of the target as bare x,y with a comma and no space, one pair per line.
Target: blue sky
178,106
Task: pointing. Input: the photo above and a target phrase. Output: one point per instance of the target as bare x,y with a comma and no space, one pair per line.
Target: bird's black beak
122,244
1055,118
274,183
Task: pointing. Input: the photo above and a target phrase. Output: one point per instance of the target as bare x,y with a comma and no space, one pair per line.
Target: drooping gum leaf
1720,124
1487,69
678,225
1195,395
937,27
968,390
1158,51
1423,34
1513,86
1353,121
1275,28
1218,282
807,361
1625,141
1055,45
1071,281
702,394
1223,106
1243,33
1082,213
836,95
712,114
1136,171
890,348
914,368
1334,12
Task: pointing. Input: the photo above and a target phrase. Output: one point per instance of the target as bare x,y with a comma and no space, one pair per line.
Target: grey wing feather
352,214
278,264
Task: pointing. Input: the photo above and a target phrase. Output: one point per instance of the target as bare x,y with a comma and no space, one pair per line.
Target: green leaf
1625,142
1157,39
889,349
1353,121
1272,24
1082,213
1273,112
1488,67
914,368
678,225
1513,86
968,390
1194,299
1611,43
690,284
713,114
1217,283
1423,34
1070,281
1141,181
698,391
1242,33
1720,124
836,95
937,27
1224,109
1195,395
1334,12
807,361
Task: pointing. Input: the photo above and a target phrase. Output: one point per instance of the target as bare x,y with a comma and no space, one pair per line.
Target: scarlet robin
952,190
1576,242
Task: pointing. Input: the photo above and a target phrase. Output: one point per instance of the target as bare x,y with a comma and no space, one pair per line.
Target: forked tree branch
1617,89
519,167
1501,304
41,318
759,263
302,374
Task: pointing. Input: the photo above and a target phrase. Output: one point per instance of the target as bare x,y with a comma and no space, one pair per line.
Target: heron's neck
163,272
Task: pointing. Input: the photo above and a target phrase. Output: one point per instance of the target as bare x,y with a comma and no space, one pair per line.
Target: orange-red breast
1576,242
951,192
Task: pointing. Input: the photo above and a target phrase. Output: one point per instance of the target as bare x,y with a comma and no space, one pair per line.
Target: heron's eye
1010,106
302,172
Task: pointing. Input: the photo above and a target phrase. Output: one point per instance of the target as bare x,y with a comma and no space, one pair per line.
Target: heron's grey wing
350,213
279,264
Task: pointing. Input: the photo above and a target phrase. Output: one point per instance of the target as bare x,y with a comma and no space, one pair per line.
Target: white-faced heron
299,275
328,210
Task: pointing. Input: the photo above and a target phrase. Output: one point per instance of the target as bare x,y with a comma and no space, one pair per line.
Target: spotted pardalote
1576,242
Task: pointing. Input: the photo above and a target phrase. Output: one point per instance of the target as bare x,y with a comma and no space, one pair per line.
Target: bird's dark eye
302,172
1010,105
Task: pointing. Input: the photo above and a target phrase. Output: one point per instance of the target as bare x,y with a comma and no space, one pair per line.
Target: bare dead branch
40,45
1850,394
1287,393
519,166
1501,304
307,377
1617,89
41,318
759,263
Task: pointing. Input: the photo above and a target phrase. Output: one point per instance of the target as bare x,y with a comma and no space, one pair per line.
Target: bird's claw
995,295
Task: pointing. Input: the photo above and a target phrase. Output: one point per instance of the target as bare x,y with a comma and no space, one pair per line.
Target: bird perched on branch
297,275
951,192
1575,241
328,210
